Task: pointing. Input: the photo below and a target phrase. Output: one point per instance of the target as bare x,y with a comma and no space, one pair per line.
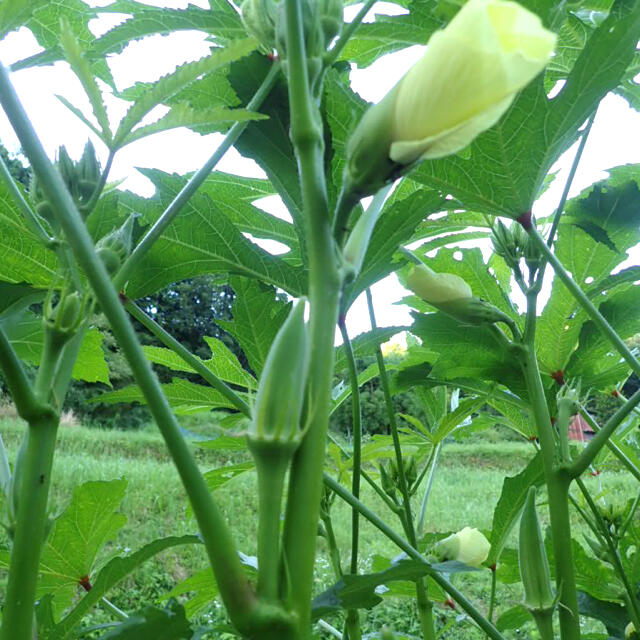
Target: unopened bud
469,546
280,397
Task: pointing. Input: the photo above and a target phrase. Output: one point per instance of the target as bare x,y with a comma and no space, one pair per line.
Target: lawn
466,488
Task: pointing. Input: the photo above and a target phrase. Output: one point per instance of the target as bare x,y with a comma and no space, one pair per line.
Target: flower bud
280,397
630,631
67,313
532,557
259,19
468,546
467,78
115,247
452,295
437,288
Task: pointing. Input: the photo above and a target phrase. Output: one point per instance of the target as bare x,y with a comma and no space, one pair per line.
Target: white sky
614,139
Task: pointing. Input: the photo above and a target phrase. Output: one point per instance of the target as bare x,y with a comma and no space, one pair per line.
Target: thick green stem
602,436
305,482
558,481
31,522
193,185
193,361
271,467
584,301
49,358
412,552
234,587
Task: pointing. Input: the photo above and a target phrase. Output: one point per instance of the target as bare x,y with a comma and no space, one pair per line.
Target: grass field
466,488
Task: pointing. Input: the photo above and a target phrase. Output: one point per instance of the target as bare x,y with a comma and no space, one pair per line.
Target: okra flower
466,80
468,546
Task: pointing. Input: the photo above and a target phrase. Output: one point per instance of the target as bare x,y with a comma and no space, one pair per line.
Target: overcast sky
614,139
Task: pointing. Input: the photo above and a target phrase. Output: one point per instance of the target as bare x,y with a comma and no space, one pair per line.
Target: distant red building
580,430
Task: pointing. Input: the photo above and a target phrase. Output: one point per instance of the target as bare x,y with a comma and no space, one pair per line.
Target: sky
614,139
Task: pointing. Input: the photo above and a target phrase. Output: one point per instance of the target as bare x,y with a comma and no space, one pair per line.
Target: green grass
466,488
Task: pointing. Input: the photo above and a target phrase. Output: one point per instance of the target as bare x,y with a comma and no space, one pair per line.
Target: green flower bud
259,19
532,557
504,243
116,245
630,631
280,397
386,481
468,546
110,259
331,19
67,313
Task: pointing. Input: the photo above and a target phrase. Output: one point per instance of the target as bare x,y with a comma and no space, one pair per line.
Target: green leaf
78,535
205,120
113,572
170,84
27,336
613,206
45,24
14,298
267,141
202,239
595,356
152,623
203,584
220,20
359,591
392,33
217,478
510,503
454,419
234,196
366,344
24,258
513,618
184,397
505,167
613,616
223,363
467,352
257,317
225,443
14,13
75,56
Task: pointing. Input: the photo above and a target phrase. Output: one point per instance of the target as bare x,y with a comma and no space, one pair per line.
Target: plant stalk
31,525
305,480
234,587
352,618
557,480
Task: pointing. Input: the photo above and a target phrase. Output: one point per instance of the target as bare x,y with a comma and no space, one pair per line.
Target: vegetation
291,529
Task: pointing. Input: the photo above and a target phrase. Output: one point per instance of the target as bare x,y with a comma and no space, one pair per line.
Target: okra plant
459,149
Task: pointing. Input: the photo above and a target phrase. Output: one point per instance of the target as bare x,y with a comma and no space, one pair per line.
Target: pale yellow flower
467,78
